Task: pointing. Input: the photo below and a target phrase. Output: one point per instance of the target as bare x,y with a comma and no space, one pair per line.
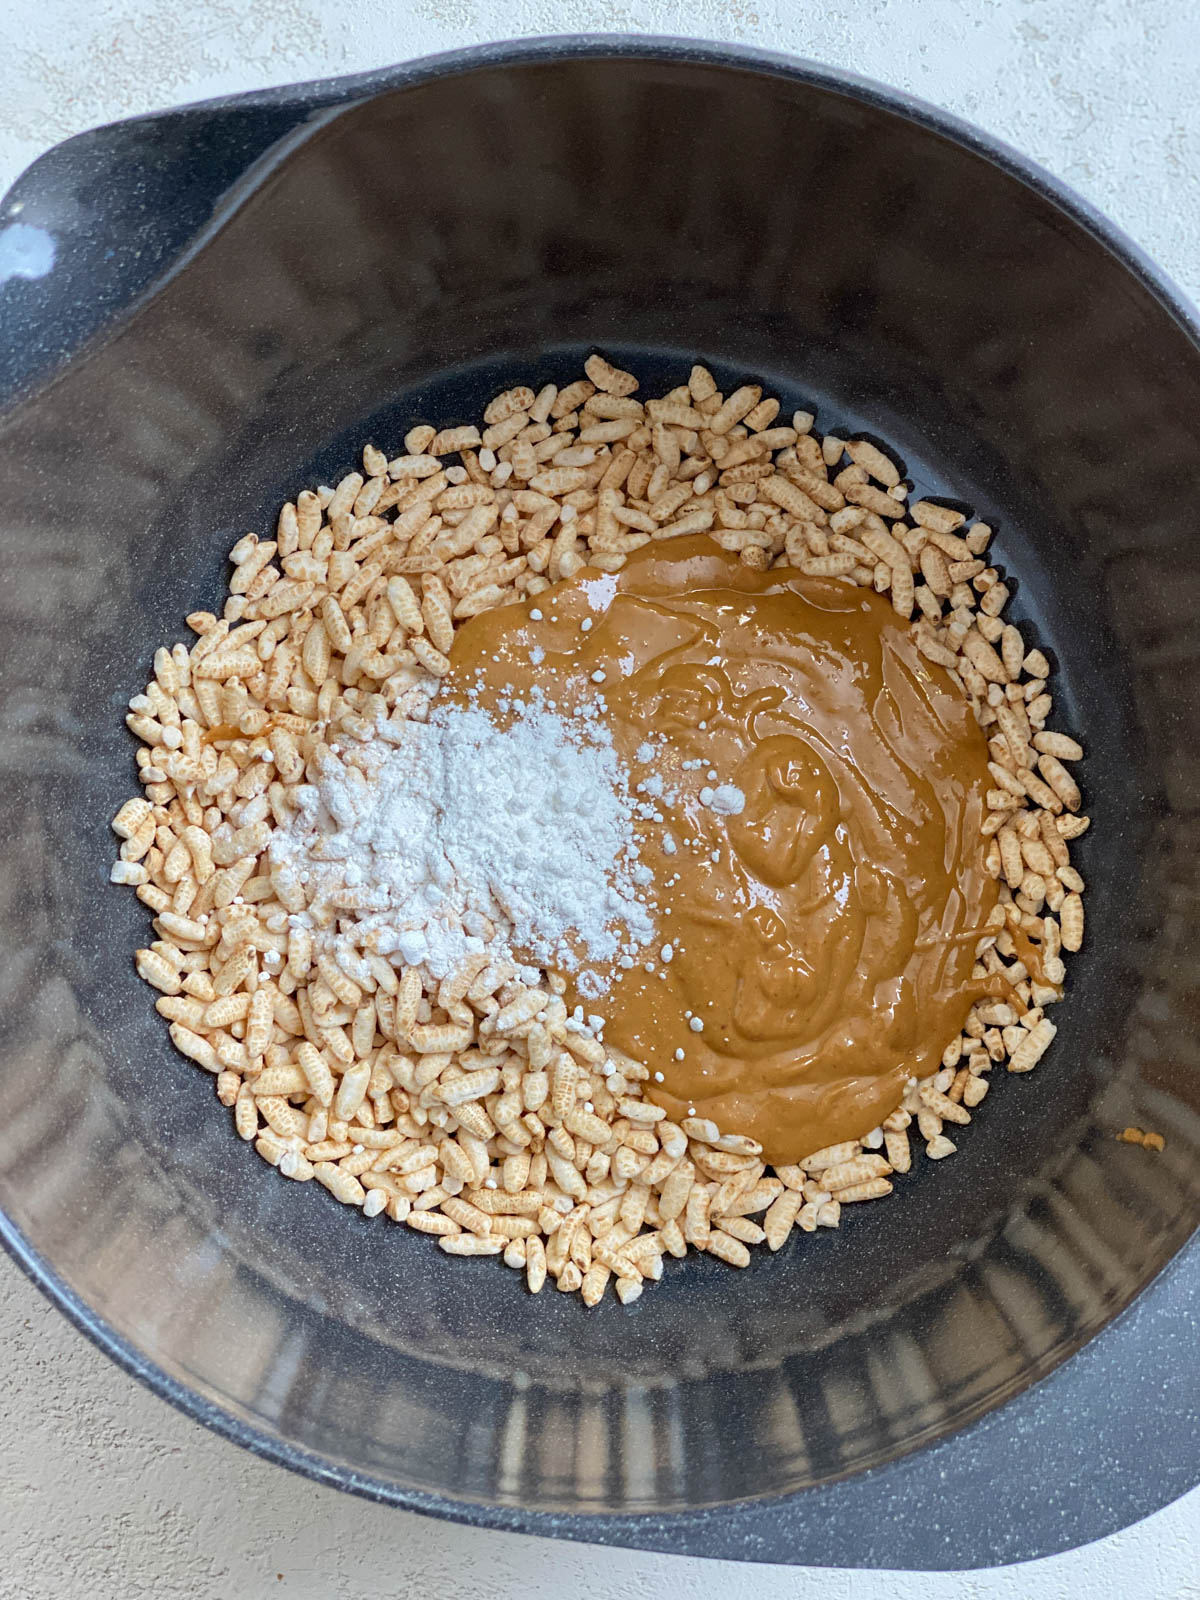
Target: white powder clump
727,799
454,837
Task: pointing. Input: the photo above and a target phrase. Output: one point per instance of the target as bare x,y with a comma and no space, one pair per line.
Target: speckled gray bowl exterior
214,307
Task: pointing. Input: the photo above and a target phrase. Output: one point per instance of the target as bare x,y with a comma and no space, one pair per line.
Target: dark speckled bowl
239,294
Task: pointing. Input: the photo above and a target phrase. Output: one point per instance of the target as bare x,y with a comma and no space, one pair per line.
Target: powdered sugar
726,798
456,836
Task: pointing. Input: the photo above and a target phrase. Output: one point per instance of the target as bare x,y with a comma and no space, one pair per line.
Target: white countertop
105,1492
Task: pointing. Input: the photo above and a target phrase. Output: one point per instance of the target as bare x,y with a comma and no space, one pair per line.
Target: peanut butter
816,947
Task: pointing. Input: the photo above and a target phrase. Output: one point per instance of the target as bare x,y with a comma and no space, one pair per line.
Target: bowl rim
711,1531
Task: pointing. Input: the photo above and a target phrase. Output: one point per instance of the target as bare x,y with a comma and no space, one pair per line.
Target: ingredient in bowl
1148,1141
473,1102
451,838
822,934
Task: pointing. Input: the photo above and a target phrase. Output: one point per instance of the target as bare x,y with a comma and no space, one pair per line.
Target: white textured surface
105,1492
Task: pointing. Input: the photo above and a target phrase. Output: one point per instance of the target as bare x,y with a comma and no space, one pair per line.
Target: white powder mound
453,837
727,799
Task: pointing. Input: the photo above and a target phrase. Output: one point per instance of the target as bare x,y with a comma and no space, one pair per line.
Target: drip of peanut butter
815,948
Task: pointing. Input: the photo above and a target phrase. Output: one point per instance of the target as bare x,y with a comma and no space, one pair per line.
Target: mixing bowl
209,309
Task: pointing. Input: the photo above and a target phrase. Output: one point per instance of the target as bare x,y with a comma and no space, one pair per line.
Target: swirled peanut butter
817,790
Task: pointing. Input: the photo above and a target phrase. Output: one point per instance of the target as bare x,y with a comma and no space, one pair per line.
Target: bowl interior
418,253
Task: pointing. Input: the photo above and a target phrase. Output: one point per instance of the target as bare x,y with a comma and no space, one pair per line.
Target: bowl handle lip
1103,1440
168,181
95,284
